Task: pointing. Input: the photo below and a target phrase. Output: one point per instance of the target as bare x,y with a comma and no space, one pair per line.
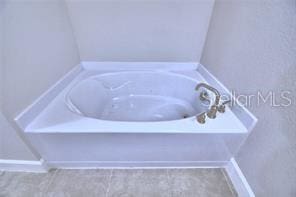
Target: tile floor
117,183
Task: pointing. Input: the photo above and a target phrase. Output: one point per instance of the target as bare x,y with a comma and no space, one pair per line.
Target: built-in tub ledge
51,112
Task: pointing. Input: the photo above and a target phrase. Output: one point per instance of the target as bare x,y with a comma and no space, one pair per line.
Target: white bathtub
115,114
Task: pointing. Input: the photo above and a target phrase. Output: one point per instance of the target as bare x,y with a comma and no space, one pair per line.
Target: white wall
38,48
1,72
251,45
12,146
1,48
149,30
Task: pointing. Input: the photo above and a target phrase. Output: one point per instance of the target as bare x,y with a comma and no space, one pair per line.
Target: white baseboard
23,166
238,179
135,164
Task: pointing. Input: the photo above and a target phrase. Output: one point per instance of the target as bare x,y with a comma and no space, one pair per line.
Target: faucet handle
222,107
201,118
212,112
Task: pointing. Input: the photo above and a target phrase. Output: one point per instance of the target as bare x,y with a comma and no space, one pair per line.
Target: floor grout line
109,183
230,186
6,184
51,180
169,184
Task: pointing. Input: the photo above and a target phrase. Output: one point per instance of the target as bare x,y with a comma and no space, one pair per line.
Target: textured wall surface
251,46
38,48
162,30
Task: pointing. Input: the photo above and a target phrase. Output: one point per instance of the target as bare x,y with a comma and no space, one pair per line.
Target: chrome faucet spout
214,108
214,90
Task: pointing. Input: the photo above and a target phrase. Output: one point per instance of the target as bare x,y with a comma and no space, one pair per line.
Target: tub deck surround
56,116
66,137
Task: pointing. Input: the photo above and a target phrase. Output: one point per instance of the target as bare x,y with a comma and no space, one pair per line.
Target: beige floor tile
139,183
23,184
117,183
79,183
228,180
198,183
